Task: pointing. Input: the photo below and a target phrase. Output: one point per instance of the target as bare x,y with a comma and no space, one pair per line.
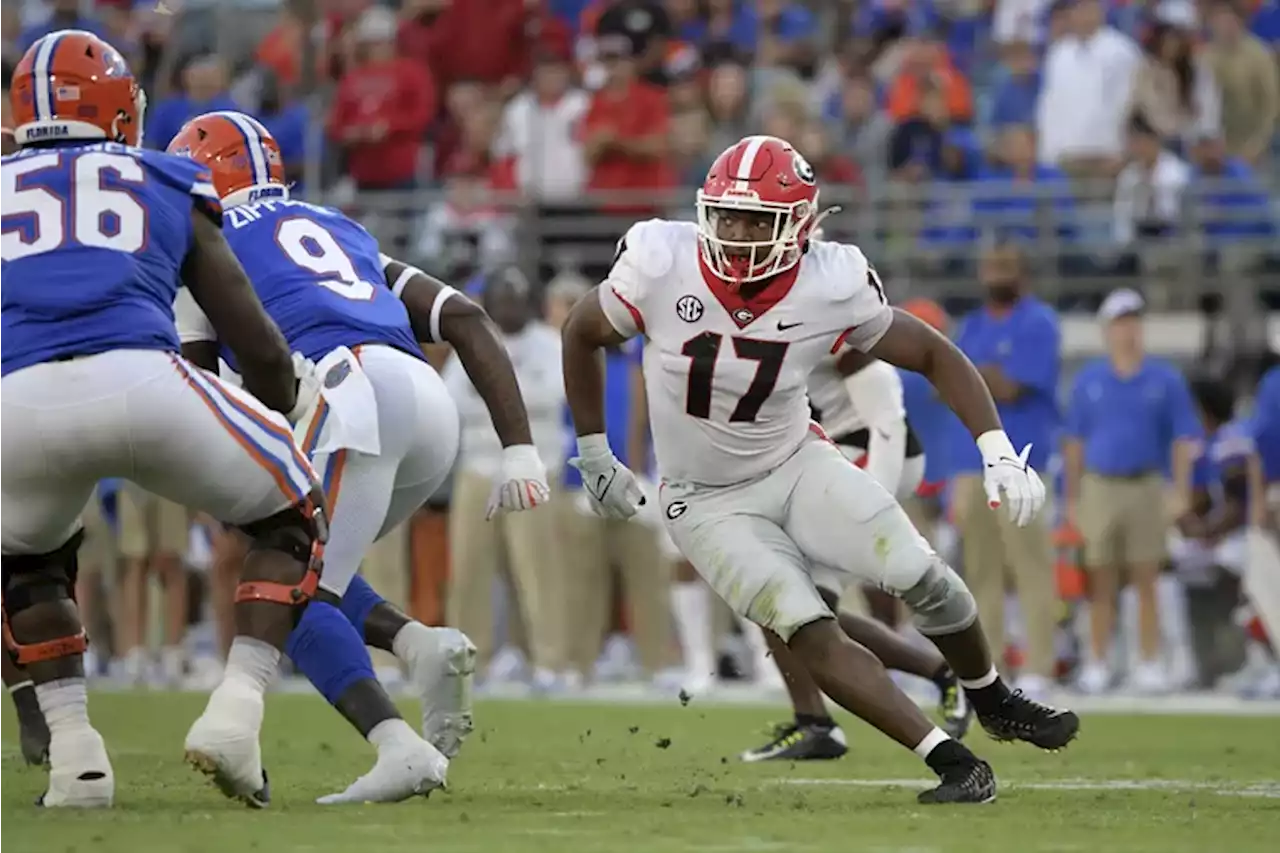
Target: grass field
589,777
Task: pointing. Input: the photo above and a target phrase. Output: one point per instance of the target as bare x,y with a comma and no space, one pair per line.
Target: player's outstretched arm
585,333
914,345
440,314
220,287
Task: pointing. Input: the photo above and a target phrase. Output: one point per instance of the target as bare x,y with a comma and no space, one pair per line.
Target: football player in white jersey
859,405
738,309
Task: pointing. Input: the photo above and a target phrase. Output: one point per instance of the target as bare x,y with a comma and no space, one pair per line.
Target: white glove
1005,471
611,488
522,483
304,370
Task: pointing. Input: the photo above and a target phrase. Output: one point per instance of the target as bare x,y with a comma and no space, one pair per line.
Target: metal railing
925,238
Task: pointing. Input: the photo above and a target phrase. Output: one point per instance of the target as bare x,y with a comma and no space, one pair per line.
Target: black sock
816,721
944,677
26,702
987,700
947,754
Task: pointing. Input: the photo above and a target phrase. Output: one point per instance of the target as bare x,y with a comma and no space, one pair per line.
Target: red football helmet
73,85
763,175
242,155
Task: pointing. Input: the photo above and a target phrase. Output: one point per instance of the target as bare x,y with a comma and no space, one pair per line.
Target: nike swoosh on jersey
782,327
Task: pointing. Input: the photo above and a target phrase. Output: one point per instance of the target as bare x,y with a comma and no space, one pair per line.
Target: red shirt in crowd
484,40
635,113
399,97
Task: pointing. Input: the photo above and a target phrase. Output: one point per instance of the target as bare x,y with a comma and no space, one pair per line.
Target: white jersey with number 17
726,375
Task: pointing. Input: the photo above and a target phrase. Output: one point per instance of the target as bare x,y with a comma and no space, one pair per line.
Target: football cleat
969,780
954,707
223,745
80,774
794,742
442,666
1021,718
409,768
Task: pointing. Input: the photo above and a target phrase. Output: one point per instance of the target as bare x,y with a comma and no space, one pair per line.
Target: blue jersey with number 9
94,239
319,275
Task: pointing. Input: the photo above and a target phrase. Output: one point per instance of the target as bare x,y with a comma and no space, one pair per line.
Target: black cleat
1021,718
968,780
794,742
33,735
954,707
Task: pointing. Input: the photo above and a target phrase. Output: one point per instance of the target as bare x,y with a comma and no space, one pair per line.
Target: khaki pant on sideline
1123,520
591,548
997,551
149,524
523,547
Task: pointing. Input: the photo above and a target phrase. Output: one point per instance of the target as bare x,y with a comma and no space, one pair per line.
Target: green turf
563,777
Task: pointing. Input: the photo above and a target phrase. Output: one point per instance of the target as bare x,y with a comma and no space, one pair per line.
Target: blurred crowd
1120,131
1124,133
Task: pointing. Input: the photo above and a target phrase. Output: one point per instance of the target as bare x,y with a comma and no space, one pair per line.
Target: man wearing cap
1128,412
1013,339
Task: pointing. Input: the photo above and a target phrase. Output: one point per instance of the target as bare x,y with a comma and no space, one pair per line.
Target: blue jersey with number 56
95,236
319,275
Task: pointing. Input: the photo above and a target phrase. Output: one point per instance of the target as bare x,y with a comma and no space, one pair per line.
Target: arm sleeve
192,324
876,394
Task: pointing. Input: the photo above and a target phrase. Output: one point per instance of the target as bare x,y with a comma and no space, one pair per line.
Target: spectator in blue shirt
1128,412
63,15
1021,198
288,122
1233,204
592,547
1016,87
204,89
1014,340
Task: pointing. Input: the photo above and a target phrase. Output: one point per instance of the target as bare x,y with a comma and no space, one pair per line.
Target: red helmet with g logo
73,85
762,175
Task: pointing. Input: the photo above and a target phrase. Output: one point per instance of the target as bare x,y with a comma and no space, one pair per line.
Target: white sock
931,740
65,704
252,663
979,683
409,639
390,732
691,606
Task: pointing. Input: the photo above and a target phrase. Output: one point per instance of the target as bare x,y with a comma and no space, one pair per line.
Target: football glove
1009,479
522,483
612,489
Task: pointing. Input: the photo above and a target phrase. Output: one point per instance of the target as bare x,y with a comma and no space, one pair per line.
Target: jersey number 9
310,245
39,220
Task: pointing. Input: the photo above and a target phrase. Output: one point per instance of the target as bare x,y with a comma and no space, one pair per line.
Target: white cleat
411,767
442,666
80,774
223,744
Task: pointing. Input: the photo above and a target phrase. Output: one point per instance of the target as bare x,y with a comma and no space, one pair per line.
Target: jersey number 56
39,220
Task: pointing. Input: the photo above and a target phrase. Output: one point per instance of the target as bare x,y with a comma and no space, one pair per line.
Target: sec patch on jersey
689,308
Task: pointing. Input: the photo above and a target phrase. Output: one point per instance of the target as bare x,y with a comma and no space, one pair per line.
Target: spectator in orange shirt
926,65
625,129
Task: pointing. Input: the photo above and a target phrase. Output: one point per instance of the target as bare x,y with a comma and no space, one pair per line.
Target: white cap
1178,13
377,23
1121,303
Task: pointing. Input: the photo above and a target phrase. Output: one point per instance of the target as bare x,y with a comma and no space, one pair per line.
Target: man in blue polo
1266,436
1014,340
1130,414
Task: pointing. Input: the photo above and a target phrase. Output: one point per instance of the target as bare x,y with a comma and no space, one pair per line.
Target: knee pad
940,602
299,532
32,579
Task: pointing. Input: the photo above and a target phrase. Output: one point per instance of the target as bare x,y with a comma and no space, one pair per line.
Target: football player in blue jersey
98,237
384,434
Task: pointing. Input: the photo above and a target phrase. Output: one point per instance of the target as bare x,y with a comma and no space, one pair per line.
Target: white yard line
1266,789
